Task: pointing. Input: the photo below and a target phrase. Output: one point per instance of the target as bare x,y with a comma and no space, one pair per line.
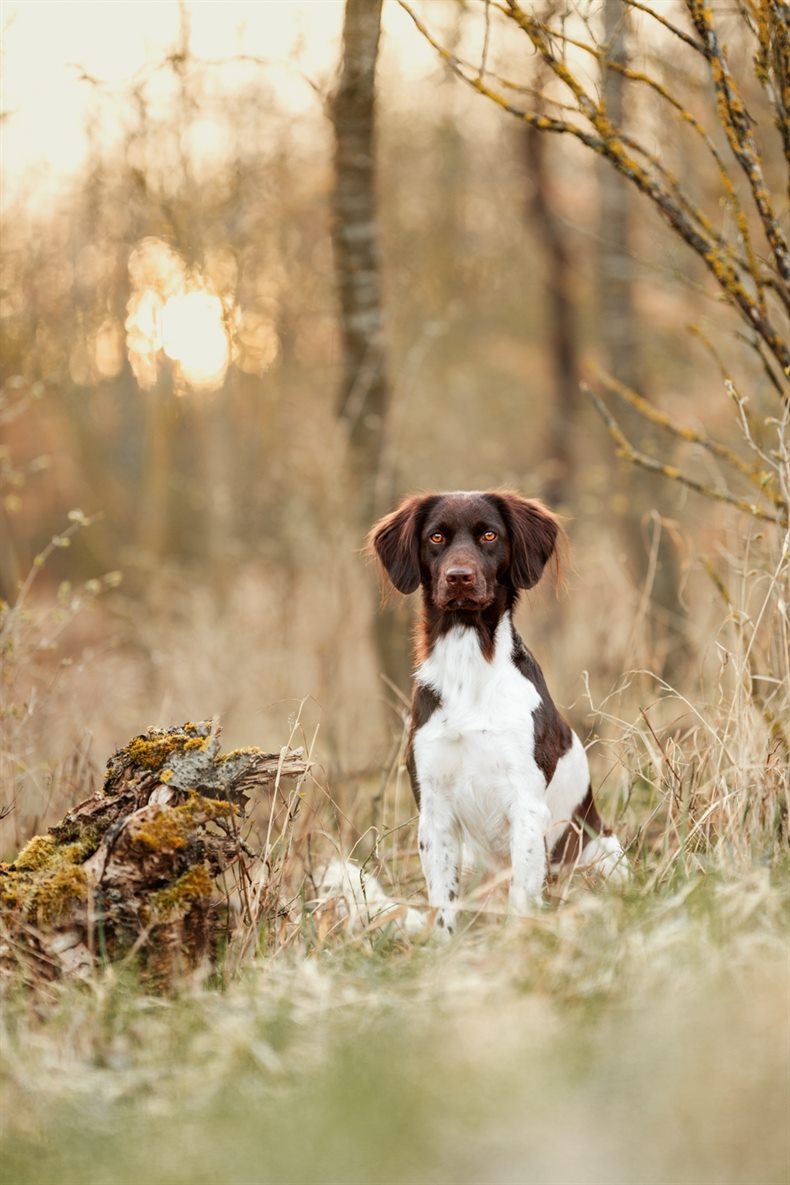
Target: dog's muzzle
462,588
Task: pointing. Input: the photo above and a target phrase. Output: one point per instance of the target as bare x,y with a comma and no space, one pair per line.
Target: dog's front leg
528,856
440,855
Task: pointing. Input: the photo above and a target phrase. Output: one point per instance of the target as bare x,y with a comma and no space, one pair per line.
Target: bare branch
695,45
545,122
682,214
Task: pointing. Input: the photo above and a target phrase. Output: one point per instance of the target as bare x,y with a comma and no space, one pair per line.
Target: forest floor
625,1036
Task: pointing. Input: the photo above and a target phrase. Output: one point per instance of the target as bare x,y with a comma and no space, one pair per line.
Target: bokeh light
172,311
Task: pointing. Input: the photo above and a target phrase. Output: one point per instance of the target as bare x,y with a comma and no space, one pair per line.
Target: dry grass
615,1039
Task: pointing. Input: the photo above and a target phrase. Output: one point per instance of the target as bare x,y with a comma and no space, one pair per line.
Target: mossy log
131,871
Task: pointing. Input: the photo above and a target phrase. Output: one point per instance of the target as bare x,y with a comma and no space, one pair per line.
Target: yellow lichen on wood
196,885
248,751
152,752
135,856
170,828
165,832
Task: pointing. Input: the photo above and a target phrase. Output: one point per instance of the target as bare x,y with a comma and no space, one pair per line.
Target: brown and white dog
493,765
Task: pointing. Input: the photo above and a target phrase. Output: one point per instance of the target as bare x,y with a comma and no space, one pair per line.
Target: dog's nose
460,576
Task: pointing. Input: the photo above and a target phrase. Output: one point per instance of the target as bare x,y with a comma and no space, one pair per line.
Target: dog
493,765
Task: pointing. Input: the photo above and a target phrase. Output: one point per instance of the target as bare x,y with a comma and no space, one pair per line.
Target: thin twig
695,45
654,415
627,450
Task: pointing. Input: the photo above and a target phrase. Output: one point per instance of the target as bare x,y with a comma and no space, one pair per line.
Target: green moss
52,896
195,885
14,891
37,853
47,875
45,852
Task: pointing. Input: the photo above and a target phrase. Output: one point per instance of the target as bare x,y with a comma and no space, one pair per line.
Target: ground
622,1037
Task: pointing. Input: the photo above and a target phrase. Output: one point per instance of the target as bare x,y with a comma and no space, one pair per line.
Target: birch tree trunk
364,395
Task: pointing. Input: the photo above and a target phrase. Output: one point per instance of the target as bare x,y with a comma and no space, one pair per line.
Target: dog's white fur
480,784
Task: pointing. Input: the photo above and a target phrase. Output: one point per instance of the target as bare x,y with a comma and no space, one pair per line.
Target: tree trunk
364,396
619,330
364,392
562,331
615,264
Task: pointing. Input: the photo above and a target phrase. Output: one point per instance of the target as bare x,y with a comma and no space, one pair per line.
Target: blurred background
175,443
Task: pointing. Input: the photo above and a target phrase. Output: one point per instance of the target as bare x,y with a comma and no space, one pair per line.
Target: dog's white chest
476,752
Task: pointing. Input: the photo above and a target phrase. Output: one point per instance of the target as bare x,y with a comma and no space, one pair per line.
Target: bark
364,395
563,337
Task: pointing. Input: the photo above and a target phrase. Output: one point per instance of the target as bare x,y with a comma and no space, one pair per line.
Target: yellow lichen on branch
735,121
733,261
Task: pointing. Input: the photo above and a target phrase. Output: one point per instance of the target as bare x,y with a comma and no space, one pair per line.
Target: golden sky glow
49,44
175,317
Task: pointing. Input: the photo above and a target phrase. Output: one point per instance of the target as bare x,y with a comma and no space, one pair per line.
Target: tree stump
130,873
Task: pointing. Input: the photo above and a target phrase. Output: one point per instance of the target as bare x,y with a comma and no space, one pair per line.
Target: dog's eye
437,537
489,536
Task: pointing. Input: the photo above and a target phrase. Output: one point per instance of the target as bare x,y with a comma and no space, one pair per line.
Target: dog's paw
604,856
361,901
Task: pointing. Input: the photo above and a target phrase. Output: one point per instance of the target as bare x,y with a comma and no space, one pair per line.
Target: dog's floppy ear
396,541
535,536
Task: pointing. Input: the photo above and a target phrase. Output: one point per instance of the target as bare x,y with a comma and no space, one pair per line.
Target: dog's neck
434,622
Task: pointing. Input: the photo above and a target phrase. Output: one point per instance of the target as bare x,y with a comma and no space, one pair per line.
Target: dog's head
462,547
